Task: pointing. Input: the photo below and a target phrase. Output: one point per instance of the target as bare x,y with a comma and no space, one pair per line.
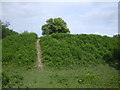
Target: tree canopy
55,25
5,31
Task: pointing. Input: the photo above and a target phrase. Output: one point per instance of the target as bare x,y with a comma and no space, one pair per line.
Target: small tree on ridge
56,25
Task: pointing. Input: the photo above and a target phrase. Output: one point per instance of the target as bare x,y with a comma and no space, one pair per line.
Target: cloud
80,17
102,18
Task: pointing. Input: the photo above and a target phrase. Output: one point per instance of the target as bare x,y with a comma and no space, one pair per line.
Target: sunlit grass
101,76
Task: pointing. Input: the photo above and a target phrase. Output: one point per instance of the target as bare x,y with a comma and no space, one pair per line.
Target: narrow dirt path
39,55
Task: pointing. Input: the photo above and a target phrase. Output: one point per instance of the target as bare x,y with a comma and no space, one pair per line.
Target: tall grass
101,76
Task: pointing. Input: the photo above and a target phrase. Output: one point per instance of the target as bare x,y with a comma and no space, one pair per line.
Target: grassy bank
70,61
18,51
101,76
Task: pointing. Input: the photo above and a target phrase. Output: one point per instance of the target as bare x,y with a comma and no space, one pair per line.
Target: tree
117,36
56,25
5,31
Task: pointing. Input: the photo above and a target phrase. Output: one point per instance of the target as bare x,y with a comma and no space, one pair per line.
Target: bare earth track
39,55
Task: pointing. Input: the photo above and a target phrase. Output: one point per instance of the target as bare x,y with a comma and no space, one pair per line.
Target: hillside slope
67,49
19,49
18,55
84,60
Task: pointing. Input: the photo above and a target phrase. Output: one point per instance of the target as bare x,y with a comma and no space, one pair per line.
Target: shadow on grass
113,59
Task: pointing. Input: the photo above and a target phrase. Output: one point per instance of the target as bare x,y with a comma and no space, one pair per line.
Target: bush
67,49
10,81
20,49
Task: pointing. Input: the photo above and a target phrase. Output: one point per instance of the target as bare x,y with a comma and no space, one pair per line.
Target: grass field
100,76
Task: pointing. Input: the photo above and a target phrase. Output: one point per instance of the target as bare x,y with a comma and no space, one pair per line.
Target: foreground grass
101,76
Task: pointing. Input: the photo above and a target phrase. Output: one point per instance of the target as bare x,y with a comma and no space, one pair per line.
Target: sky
81,17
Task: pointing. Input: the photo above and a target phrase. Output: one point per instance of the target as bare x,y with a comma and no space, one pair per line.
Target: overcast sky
81,17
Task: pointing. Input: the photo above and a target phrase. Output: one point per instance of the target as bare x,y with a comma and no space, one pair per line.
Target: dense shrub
67,49
5,80
114,59
8,81
5,31
19,49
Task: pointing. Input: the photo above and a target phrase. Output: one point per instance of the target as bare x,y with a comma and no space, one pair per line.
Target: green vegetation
61,50
0,59
5,30
0,49
17,51
100,76
56,25
70,61
20,49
